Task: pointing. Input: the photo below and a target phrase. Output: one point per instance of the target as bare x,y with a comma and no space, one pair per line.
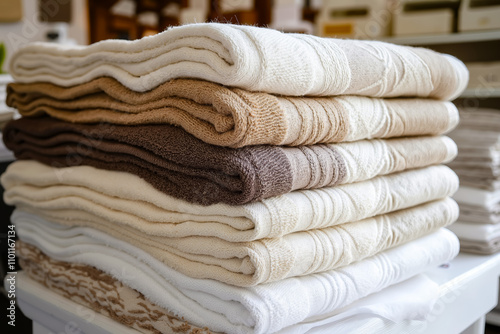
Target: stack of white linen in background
478,167
330,229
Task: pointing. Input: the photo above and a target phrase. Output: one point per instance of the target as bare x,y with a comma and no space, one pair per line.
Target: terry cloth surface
233,117
101,292
264,308
268,260
127,201
412,298
180,165
256,59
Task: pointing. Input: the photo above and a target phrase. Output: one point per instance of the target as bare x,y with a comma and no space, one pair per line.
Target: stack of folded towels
6,113
240,179
478,167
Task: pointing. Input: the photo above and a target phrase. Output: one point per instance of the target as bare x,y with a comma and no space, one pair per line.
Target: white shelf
462,37
481,93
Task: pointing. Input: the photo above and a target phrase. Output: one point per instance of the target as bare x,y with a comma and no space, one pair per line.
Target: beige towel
233,117
126,201
256,59
101,292
269,260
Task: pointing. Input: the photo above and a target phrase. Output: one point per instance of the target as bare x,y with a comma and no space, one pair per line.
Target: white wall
30,29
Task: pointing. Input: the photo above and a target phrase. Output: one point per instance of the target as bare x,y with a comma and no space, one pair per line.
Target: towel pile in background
6,113
238,178
478,167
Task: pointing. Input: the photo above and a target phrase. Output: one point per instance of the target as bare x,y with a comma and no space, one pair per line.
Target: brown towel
100,292
234,117
180,165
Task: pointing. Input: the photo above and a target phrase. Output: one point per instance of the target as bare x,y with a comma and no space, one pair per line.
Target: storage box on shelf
362,19
412,17
479,15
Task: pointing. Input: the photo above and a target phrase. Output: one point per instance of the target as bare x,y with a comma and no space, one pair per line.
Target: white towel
411,299
489,200
261,309
476,232
252,58
127,200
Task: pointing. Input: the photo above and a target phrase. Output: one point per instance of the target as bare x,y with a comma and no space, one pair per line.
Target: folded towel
416,296
261,309
477,238
410,299
101,292
488,200
476,214
480,247
269,260
180,165
478,232
256,59
233,117
128,202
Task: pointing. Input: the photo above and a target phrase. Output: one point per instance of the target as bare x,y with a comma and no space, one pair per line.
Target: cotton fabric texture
184,167
234,117
251,58
196,248
101,292
410,299
265,308
129,202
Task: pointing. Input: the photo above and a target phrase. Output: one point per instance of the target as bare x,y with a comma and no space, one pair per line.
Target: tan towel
182,166
257,59
127,201
101,292
269,260
233,117
480,247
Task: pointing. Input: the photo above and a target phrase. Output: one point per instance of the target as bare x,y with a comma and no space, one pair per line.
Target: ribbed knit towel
182,166
268,260
261,309
101,292
257,59
127,201
233,117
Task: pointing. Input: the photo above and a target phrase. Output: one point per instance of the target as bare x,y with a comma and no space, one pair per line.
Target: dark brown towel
167,157
185,167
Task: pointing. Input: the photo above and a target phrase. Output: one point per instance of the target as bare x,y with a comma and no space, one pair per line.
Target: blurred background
467,29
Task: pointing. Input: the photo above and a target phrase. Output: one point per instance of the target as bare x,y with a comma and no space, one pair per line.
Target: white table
468,290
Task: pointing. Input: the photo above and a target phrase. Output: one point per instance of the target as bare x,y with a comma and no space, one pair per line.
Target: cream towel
256,59
268,260
261,309
233,117
127,201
